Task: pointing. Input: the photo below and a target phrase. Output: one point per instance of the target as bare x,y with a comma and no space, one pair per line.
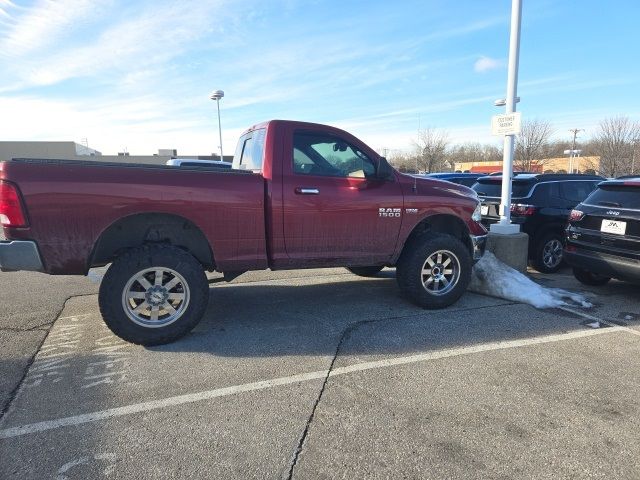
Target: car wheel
548,253
365,271
434,270
153,295
588,278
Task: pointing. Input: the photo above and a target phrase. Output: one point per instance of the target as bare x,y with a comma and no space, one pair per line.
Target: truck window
325,155
249,153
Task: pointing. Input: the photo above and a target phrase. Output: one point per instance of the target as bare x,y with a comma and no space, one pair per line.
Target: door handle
307,191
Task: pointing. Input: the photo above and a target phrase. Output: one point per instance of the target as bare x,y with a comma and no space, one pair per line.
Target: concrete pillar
512,249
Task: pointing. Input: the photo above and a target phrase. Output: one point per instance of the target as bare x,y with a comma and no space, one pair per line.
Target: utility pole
573,147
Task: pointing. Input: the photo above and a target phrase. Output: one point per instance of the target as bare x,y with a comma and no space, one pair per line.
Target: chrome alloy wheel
552,253
155,297
440,272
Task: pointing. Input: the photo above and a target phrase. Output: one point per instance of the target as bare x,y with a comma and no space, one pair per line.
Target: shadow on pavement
308,319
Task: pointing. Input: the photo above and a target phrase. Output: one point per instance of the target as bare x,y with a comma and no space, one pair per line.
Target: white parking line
305,377
596,319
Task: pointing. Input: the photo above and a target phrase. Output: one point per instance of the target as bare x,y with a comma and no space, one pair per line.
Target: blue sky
137,74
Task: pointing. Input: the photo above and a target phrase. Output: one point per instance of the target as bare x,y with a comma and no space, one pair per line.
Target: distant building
72,150
76,151
548,165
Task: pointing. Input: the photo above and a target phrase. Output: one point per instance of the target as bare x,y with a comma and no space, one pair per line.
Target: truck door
336,211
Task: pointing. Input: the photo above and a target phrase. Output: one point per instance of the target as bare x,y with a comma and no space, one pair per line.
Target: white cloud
484,64
141,125
42,24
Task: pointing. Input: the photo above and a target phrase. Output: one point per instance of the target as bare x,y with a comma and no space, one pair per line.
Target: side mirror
385,171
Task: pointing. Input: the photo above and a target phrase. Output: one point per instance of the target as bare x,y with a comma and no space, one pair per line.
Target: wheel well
149,228
442,223
541,232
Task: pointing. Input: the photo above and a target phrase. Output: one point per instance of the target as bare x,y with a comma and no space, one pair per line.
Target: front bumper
20,255
614,266
479,242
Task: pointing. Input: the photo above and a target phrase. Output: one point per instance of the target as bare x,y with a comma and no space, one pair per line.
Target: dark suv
541,204
466,179
603,236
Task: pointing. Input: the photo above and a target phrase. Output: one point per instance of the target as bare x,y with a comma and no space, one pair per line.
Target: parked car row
587,221
540,205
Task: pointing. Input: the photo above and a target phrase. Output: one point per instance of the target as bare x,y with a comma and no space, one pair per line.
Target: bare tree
405,163
473,152
532,144
614,143
431,150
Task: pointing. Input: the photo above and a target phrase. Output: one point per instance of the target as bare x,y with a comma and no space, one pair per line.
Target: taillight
11,212
520,209
576,216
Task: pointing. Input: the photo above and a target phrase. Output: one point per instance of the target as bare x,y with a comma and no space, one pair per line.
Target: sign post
507,123
505,240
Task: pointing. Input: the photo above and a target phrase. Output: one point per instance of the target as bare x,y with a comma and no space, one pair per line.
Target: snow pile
492,277
95,275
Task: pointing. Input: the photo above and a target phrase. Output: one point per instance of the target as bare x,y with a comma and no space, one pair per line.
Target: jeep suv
603,235
540,205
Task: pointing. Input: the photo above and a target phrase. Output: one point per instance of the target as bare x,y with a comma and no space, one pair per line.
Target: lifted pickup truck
300,195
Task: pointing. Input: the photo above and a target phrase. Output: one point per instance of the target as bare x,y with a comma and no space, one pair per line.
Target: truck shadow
305,316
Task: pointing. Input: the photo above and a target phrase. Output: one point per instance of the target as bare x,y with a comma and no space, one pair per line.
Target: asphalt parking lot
321,374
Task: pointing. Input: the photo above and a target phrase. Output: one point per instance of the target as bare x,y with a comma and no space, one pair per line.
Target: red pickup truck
299,195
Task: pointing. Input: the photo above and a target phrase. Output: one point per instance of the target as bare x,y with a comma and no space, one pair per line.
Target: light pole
504,226
217,95
572,152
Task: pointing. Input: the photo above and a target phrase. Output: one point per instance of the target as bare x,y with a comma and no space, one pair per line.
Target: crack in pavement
343,337
14,393
24,330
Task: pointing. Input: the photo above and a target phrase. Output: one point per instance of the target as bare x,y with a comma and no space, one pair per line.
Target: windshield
621,196
493,188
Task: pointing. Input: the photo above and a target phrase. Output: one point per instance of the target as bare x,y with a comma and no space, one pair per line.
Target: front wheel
588,278
434,270
548,253
153,295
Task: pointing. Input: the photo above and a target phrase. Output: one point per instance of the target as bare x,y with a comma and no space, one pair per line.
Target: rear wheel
434,270
548,253
365,271
153,295
588,278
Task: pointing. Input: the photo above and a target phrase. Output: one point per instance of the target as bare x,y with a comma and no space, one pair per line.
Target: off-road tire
125,268
589,278
409,269
365,271
548,247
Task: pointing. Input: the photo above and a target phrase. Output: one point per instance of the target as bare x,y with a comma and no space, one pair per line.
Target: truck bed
70,204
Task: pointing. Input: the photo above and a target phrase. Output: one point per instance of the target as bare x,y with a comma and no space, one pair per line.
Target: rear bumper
20,255
479,242
613,266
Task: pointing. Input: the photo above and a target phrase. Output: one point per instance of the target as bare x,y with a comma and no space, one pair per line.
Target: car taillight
520,209
576,215
11,212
